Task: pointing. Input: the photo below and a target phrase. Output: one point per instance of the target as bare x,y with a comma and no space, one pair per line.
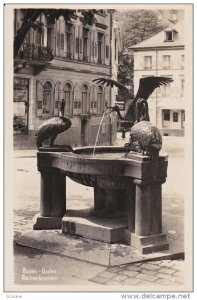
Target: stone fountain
127,195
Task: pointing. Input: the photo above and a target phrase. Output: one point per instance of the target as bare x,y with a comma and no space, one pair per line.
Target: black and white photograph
98,138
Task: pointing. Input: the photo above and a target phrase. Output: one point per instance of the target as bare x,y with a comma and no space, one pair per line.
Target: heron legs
52,139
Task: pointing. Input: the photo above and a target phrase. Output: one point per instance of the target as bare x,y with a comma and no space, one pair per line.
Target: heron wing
111,83
148,84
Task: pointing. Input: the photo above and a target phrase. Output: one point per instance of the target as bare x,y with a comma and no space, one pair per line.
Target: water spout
105,112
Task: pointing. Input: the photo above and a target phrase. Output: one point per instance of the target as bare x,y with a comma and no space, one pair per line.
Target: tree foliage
52,15
136,26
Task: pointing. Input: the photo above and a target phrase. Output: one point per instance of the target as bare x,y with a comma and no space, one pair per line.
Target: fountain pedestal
128,184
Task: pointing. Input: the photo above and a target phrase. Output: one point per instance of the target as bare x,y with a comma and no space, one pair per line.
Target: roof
157,40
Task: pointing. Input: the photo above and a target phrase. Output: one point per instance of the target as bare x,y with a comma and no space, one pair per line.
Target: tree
136,26
125,69
52,15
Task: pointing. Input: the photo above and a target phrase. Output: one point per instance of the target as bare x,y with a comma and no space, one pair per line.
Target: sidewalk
70,272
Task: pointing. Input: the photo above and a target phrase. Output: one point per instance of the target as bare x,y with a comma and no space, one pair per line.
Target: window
100,47
107,52
175,117
166,62
93,106
147,62
166,118
77,104
168,36
166,115
99,99
47,107
62,41
85,43
165,90
49,37
68,100
85,99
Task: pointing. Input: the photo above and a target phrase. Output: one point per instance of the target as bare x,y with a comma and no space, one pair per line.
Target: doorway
84,129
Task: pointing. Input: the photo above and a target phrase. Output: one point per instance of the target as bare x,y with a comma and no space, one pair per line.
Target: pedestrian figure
123,133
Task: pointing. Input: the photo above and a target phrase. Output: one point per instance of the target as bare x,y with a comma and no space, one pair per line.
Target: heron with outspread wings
138,107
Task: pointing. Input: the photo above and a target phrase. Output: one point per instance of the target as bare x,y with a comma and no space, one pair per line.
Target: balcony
35,52
32,55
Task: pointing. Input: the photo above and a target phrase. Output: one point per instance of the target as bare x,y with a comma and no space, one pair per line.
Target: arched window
68,98
85,99
47,107
100,99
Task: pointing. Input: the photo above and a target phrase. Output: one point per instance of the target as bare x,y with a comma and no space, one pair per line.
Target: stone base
85,225
146,244
53,241
40,223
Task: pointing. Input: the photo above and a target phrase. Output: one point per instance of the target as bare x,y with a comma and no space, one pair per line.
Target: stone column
145,229
130,197
53,194
52,200
148,208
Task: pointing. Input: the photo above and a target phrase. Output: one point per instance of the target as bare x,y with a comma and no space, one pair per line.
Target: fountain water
97,136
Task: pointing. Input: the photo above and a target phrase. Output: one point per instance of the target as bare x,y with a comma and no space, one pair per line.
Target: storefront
20,106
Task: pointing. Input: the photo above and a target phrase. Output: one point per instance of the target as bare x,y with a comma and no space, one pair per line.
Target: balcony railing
35,52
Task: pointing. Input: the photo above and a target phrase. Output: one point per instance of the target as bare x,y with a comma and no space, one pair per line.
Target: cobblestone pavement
154,273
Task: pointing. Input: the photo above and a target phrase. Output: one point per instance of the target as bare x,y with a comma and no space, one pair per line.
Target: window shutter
107,96
39,98
57,99
76,100
107,49
88,46
107,46
72,40
92,39
80,31
77,45
58,42
96,45
95,100
91,98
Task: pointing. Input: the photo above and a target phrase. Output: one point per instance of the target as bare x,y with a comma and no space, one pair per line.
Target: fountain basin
111,171
114,163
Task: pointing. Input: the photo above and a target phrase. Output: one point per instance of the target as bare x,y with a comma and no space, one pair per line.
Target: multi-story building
80,54
163,55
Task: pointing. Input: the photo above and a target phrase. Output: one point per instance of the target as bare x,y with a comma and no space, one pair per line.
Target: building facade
80,54
164,55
